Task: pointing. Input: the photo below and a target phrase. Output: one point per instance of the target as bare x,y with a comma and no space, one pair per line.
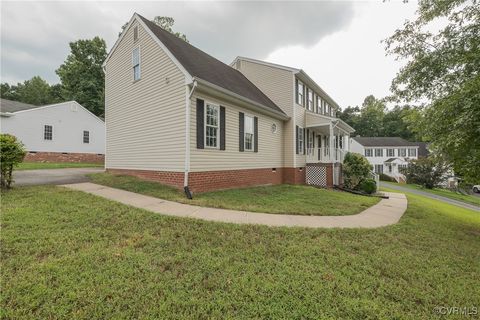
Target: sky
337,43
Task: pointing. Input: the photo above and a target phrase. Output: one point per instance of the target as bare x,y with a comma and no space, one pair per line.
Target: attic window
135,33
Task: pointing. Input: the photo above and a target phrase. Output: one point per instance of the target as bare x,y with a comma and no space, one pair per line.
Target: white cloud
351,64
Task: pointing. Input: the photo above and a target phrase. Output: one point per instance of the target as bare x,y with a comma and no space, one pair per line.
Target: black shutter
296,138
255,134
308,136
296,90
313,140
200,124
304,142
241,130
304,90
222,128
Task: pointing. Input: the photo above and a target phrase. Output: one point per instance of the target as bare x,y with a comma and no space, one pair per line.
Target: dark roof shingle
14,106
384,142
201,65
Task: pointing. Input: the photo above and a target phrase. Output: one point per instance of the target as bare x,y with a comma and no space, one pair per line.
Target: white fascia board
234,95
265,63
135,17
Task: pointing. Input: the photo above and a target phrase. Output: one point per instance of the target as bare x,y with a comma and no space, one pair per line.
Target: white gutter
188,96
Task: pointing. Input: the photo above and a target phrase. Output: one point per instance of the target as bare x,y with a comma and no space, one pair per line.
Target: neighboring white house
386,154
64,131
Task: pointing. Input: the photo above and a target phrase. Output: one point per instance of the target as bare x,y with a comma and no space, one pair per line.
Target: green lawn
441,192
71,255
54,165
283,199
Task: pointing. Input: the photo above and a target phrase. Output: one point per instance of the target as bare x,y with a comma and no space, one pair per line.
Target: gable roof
14,106
205,67
384,142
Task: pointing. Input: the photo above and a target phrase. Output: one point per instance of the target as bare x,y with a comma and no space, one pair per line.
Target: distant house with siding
62,132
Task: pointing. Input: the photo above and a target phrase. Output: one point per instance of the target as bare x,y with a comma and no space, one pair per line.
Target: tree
12,153
36,91
82,75
427,172
166,23
442,71
356,169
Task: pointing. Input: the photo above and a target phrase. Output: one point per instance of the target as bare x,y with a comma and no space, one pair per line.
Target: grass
71,255
55,165
472,199
281,199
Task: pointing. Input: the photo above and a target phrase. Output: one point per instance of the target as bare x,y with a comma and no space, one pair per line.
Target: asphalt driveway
433,196
53,176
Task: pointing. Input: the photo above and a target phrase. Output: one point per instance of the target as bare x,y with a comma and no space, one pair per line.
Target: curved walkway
386,212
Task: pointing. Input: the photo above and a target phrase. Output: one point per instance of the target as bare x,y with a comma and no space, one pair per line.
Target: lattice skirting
316,175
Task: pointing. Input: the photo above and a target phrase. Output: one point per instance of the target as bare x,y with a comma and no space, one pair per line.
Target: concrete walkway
431,196
386,212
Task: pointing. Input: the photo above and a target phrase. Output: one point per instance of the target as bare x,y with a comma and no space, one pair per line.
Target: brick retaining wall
64,157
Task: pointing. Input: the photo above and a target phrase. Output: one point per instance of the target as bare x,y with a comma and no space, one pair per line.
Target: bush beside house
12,153
356,170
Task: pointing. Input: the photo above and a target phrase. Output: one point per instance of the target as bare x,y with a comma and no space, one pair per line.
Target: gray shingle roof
384,142
14,106
201,65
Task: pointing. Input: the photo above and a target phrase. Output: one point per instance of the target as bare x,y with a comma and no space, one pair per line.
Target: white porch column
332,143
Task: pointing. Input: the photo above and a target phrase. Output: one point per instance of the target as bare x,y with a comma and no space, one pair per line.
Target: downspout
188,96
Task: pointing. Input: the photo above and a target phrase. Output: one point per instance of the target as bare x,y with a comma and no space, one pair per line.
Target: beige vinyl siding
279,86
145,119
300,121
270,148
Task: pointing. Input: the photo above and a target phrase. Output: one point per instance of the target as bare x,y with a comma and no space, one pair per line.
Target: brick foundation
64,157
174,179
222,179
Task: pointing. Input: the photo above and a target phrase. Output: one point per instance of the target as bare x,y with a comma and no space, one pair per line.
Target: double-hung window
212,126
368,152
325,107
48,132
136,64
300,93
412,152
390,152
402,152
86,136
378,152
249,133
300,140
310,100
319,104
310,144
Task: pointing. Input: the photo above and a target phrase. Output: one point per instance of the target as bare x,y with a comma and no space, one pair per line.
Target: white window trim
310,107
300,92
390,149
400,154
300,140
139,64
44,131
83,138
217,107
380,150
414,150
371,152
245,115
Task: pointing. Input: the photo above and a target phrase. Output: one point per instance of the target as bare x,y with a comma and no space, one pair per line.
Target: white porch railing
325,155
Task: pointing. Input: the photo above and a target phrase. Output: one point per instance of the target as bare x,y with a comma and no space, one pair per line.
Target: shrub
368,186
385,177
427,172
355,169
12,153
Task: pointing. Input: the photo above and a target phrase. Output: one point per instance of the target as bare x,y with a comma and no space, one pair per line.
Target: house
62,132
176,115
387,155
